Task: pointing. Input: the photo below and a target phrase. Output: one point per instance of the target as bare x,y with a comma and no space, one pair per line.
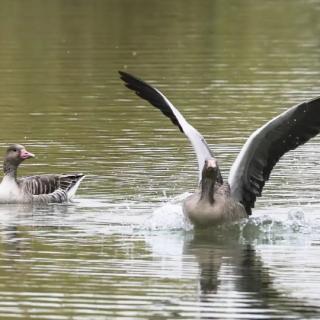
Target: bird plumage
256,159
46,188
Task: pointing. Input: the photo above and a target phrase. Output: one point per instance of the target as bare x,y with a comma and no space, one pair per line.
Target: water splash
282,224
169,216
265,225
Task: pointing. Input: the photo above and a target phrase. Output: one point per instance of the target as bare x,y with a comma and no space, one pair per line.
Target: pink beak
24,154
212,163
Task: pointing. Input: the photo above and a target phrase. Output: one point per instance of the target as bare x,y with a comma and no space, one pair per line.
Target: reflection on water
90,263
124,249
237,272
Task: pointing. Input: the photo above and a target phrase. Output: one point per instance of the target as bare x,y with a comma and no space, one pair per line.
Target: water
123,250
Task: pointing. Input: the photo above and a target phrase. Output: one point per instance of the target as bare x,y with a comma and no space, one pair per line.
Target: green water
124,250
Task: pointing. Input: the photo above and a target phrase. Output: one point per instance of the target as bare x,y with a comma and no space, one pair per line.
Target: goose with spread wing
217,201
47,188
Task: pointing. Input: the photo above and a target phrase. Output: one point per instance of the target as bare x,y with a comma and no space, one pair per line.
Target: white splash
169,216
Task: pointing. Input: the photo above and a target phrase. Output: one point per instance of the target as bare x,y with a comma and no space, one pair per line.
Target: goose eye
14,150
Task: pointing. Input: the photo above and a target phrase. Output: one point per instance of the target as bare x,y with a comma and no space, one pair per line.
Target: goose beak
24,154
212,163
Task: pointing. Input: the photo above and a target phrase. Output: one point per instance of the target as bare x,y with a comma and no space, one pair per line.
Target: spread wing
266,146
157,99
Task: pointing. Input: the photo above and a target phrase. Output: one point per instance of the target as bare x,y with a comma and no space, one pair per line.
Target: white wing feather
199,144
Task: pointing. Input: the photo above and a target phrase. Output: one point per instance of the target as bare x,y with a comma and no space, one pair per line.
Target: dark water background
124,251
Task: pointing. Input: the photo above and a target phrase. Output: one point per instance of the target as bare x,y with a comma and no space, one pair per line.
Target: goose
47,188
215,200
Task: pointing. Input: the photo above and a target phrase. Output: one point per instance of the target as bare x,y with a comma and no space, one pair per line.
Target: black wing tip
133,83
123,75
151,94
79,176
313,102
127,77
314,99
76,176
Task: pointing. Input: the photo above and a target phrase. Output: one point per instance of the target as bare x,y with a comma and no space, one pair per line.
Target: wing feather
49,188
267,145
157,99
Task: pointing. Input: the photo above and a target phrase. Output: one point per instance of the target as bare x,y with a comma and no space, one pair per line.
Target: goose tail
76,180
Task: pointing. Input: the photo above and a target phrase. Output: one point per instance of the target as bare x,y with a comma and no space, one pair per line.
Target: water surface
123,250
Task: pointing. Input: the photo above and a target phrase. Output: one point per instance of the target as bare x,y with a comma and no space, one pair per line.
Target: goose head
210,169
210,173
15,154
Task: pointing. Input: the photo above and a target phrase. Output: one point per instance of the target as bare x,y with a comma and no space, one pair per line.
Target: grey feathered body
48,188
223,209
39,189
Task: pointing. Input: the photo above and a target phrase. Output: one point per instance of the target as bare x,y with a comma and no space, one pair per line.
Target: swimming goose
48,188
217,201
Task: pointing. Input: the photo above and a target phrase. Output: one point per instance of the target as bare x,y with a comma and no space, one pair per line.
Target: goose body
10,191
48,188
223,209
217,201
